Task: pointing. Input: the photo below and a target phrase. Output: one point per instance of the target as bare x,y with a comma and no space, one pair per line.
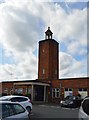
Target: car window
18,99
0,111
11,109
85,106
5,111
18,109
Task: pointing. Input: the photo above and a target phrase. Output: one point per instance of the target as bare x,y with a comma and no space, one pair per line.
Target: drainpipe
44,93
32,93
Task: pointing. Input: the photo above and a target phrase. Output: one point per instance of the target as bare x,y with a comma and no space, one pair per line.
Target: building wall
0,87
74,86
55,92
48,66
7,87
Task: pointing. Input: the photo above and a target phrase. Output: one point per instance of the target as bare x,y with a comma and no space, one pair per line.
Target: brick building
48,87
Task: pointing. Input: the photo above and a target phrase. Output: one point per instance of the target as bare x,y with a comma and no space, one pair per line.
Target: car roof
11,96
8,102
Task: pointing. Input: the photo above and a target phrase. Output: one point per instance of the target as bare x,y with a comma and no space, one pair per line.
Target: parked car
12,110
25,101
84,109
71,102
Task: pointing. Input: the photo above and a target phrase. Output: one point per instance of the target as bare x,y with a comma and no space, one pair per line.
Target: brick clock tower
48,63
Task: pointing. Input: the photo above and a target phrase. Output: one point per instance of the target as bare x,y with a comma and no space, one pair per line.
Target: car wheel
28,109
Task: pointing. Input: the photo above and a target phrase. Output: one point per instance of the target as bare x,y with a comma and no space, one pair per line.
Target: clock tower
48,62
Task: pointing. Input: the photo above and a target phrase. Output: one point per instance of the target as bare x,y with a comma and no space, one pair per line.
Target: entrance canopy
38,89
32,83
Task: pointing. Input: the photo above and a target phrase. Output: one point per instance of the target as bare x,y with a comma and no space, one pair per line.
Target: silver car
12,110
84,110
25,101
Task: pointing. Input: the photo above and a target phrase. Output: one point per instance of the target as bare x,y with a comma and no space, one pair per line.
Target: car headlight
61,102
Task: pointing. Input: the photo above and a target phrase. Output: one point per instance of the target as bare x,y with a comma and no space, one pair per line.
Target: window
82,89
28,90
43,71
19,90
18,99
18,109
70,89
5,111
6,90
11,109
56,72
68,92
66,89
55,93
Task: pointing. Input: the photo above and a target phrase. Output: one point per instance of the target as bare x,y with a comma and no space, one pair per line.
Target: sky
22,26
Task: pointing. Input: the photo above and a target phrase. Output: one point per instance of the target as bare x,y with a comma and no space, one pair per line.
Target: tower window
43,50
43,71
55,72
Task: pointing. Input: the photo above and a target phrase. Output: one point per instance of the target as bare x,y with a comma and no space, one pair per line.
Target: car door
13,111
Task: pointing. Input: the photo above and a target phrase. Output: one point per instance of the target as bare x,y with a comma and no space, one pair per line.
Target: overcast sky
22,26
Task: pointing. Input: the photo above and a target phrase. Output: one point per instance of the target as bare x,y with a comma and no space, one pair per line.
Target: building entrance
39,93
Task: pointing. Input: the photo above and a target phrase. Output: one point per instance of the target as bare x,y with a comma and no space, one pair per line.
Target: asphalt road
51,111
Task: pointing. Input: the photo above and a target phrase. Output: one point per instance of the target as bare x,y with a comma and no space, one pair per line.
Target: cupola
48,34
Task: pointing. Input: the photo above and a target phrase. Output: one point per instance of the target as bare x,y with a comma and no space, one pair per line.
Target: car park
25,101
12,110
84,110
71,102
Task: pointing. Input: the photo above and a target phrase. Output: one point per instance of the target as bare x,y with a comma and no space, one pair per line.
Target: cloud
22,25
71,67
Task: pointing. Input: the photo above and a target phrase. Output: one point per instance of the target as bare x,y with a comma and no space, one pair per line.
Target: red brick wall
48,59
88,85
7,85
0,88
74,83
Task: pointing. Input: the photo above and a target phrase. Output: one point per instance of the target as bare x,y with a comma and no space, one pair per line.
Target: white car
84,110
25,101
12,110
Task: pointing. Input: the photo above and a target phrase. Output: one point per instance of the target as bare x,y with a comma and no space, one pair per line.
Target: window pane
80,89
18,109
18,99
57,89
11,110
84,89
43,71
5,111
70,89
57,94
66,89
53,94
